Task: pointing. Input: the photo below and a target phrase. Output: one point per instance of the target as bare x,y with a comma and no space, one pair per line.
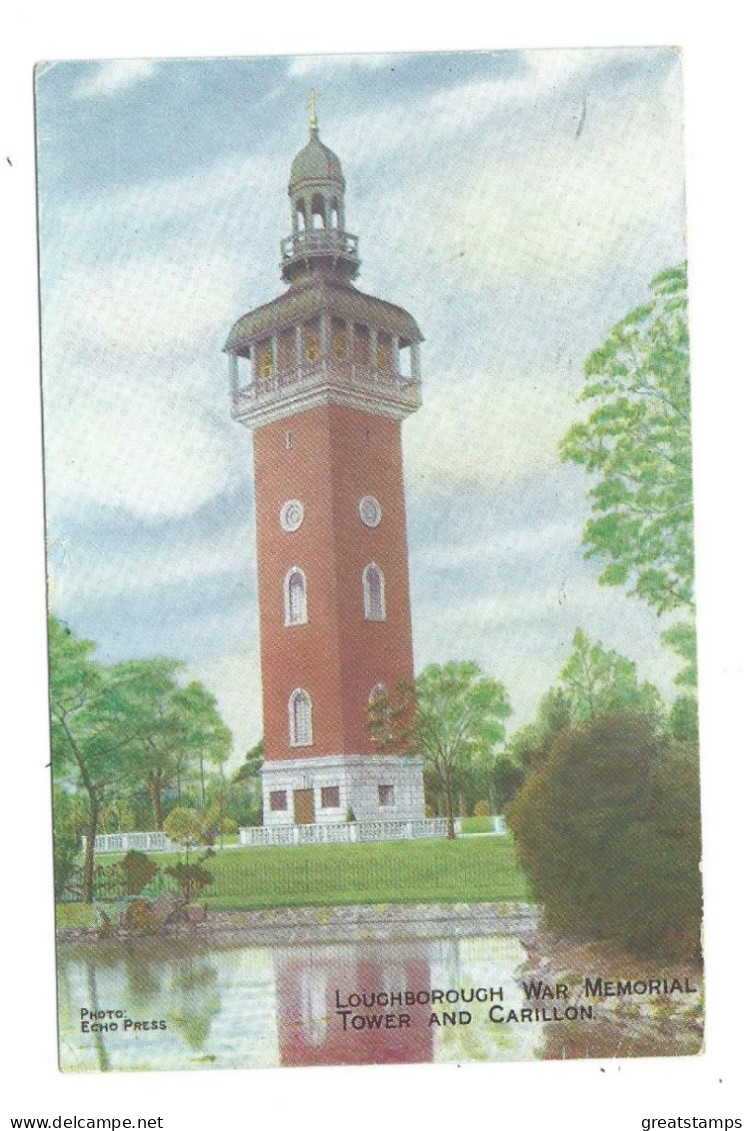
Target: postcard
373,678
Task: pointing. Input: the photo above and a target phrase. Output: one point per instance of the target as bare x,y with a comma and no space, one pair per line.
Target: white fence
126,842
347,833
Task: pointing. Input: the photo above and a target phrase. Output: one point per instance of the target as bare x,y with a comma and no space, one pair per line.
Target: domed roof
315,162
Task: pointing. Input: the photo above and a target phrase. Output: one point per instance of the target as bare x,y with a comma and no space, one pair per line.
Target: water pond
253,1006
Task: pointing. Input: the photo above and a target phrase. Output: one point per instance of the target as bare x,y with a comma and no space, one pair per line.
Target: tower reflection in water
311,983
242,1007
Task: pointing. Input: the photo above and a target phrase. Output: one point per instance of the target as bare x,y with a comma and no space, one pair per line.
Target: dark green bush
608,831
192,878
138,870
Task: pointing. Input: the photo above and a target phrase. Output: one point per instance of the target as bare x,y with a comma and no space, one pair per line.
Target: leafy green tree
205,736
251,767
244,800
449,715
594,681
682,637
185,827
507,776
637,442
597,681
683,723
95,720
186,727
69,824
159,738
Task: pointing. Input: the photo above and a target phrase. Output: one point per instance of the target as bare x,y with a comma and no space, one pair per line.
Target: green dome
315,162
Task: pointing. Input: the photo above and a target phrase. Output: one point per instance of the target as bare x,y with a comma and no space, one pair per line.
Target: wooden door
302,806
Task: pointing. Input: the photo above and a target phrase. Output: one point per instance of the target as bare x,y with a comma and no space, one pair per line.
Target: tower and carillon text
323,375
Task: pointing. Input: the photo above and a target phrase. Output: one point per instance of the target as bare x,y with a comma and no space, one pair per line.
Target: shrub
183,826
482,809
430,811
192,878
608,832
507,778
139,919
109,881
228,827
138,870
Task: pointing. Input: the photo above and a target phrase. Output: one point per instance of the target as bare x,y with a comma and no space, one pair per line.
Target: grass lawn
417,871
74,915
477,825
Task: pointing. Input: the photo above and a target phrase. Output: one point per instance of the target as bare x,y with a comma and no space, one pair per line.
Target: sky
516,203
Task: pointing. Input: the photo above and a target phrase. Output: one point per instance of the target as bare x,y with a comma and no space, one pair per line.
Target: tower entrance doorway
302,806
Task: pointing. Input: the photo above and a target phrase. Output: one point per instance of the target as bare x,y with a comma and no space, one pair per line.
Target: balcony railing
321,241
334,373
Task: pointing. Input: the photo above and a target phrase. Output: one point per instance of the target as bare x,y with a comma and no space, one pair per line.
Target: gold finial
313,121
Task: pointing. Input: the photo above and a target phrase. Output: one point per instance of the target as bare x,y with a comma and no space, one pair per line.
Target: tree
593,682
205,735
596,681
159,741
507,776
185,827
448,715
683,639
244,801
95,718
186,727
69,824
251,767
637,441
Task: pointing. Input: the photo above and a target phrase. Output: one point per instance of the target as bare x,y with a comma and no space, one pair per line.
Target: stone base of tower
342,787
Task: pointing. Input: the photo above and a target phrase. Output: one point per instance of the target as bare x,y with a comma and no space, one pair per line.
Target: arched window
334,214
299,717
296,605
318,212
300,217
374,606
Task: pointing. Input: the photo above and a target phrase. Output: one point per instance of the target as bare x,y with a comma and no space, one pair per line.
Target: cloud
505,545
551,197
575,205
134,435
113,76
179,298
80,577
304,65
139,290
491,430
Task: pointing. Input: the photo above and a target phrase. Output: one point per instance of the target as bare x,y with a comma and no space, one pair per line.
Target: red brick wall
337,456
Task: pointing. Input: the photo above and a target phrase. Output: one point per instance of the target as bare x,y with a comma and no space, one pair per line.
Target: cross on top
311,101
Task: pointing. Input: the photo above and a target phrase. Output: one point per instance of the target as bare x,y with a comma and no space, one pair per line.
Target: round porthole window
370,511
291,515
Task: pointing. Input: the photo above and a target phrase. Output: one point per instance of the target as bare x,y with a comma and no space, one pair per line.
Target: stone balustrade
255,837
133,842
350,832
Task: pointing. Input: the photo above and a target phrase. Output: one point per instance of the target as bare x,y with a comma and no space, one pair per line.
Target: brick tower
323,375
